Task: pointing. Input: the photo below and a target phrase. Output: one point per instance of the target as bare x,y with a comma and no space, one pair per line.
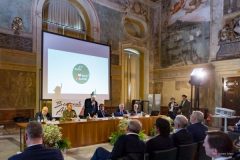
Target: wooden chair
187,152
169,154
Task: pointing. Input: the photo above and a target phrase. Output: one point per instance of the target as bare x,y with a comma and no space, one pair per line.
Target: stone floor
9,145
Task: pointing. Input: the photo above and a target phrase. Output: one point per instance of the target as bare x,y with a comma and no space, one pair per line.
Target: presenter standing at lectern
90,106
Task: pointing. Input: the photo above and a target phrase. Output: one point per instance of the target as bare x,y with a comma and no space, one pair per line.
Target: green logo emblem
80,73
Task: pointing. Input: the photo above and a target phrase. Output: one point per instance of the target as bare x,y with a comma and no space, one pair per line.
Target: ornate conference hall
87,68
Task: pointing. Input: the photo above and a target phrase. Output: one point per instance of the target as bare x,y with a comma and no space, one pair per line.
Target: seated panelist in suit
135,110
101,112
35,149
181,135
120,111
43,115
90,106
163,140
69,112
197,128
125,145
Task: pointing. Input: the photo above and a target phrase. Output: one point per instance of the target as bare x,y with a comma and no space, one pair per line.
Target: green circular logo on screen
80,73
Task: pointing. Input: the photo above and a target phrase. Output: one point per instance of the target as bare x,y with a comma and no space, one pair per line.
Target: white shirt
221,158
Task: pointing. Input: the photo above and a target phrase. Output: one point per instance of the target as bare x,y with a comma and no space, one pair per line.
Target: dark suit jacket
159,143
89,108
119,114
127,144
185,108
102,114
198,131
182,137
49,117
38,152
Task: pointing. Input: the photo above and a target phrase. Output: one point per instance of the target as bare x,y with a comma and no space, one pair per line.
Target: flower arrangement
122,126
52,137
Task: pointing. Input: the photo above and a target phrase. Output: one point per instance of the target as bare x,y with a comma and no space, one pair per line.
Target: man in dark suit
120,111
101,112
135,110
90,106
161,141
197,128
43,115
185,106
126,145
35,149
181,135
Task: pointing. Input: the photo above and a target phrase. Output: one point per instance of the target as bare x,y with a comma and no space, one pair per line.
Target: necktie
103,113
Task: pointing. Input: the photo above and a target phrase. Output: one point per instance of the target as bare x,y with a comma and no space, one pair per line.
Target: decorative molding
18,67
177,72
15,42
25,61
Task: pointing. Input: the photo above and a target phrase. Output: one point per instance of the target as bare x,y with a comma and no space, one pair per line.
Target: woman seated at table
69,112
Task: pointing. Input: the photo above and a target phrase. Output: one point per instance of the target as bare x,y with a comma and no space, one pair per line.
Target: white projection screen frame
73,68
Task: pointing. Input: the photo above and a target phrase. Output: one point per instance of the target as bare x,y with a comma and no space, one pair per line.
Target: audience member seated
125,145
218,145
181,135
120,111
43,115
197,128
101,112
135,110
35,149
162,141
69,112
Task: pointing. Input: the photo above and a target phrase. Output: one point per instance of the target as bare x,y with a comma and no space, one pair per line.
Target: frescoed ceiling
189,11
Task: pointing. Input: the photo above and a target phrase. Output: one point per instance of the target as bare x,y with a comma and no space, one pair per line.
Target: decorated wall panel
12,8
185,32
17,89
111,27
15,42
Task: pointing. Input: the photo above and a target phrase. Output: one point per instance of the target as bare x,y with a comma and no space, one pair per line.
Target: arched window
132,74
60,16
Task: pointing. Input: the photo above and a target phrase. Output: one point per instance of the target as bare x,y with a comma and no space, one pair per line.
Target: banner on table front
59,105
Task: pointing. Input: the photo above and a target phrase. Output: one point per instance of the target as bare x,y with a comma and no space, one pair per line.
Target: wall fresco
185,33
12,8
17,89
111,26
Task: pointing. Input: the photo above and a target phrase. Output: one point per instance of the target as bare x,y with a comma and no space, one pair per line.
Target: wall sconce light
17,25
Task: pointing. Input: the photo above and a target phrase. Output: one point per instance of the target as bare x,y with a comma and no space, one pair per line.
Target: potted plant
52,137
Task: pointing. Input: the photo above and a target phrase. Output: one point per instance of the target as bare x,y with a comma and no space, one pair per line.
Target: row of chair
194,151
